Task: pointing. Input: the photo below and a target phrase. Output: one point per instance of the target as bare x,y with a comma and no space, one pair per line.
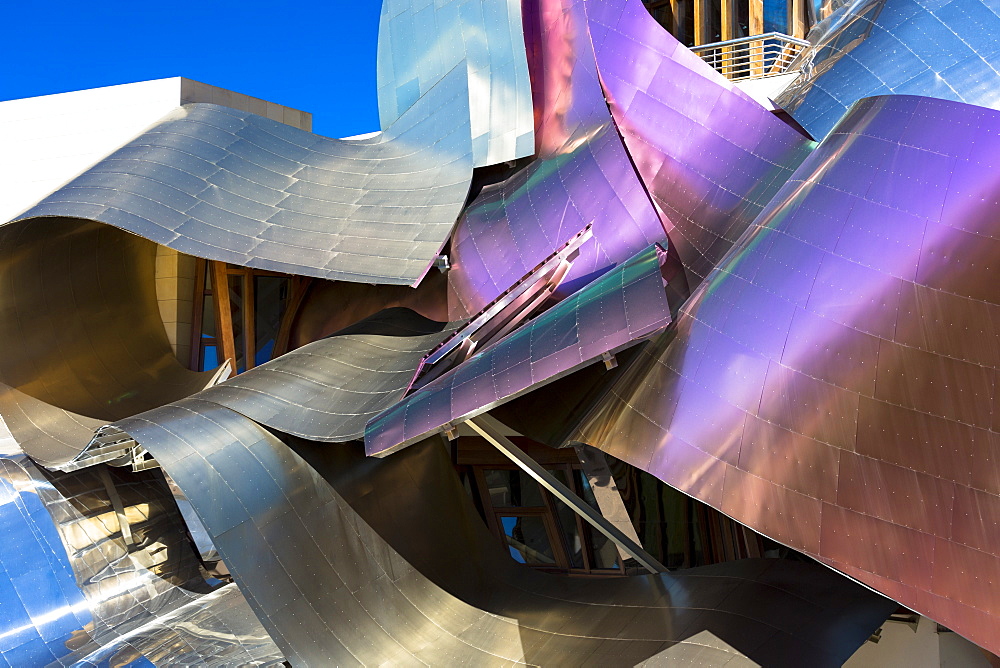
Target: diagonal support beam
116,503
488,427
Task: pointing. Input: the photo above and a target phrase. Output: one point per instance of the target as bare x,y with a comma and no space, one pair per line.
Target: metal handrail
752,57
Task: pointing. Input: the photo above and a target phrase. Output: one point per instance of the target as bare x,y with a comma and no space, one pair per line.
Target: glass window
528,539
237,289
513,489
270,297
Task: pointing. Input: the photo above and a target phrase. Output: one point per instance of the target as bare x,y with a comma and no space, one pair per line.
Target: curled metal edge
327,390
230,186
104,353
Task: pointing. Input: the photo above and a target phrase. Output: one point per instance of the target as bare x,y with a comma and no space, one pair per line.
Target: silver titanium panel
231,186
88,598
944,49
335,587
328,389
421,42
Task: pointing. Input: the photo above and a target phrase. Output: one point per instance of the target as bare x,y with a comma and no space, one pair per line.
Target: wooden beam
797,18
727,19
756,22
702,24
676,25
223,312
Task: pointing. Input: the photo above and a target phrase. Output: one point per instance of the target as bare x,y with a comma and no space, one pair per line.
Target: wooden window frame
225,340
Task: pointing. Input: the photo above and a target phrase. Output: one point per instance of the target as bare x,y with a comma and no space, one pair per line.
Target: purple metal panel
571,334
582,175
871,441
710,156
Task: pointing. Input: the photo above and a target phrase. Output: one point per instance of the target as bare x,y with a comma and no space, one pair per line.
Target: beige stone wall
175,273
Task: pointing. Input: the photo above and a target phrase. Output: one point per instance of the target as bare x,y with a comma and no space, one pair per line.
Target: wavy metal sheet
328,389
82,345
833,385
333,590
616,310
234,187
948,50
74,593
582,175
710,156
419,43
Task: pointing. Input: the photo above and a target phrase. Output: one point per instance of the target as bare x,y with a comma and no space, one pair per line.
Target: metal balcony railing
752,57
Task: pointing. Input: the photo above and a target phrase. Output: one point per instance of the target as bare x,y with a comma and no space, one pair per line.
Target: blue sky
315,56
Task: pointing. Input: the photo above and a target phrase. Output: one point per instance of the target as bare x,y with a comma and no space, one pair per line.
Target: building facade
603,350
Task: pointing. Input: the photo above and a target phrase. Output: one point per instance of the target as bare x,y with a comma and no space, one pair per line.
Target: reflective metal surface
74,593
82,344
710,157
327,390
582,175
421,42
623,306
231,186
948,50
833,385
335,587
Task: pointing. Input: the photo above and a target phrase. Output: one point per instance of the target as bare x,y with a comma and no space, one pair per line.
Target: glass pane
209,357
208,317
270,297
527,540
236,292
513,489
571,533
605,552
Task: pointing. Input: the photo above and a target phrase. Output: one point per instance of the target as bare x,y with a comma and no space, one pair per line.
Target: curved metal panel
710,156
332,590
616,310
582,176
92,599
947,50
420,43
83,344
231,186
42,607
833,385
51,435
328,389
